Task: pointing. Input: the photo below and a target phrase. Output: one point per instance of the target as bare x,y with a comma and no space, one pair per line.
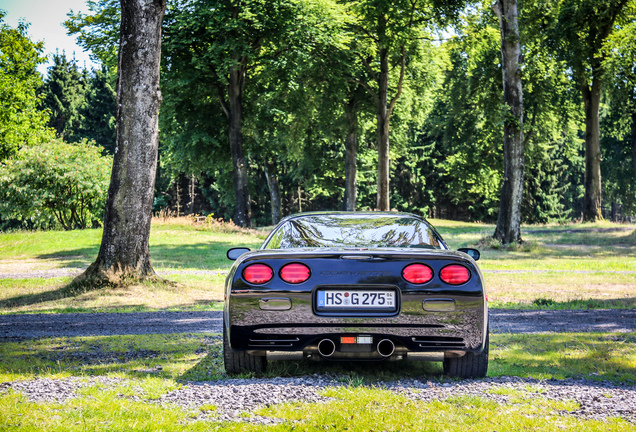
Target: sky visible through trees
299,87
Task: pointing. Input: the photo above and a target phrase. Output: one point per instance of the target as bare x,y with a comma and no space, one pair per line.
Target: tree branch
400,82
369,89
366,32
527,136
221,95
366,64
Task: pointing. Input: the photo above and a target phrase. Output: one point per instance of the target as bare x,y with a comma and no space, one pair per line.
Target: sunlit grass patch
542,303
601,259
98,411
596,356
181,292
142,389
561,290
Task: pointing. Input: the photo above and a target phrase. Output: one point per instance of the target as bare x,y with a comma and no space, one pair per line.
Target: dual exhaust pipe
327,348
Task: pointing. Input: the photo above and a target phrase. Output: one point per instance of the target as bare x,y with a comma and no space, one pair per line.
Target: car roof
346,214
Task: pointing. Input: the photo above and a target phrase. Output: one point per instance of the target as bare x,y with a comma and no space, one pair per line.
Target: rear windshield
369,231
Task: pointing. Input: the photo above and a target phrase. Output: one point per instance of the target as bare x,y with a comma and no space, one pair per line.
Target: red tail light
455,274
258,273
295,273
417,273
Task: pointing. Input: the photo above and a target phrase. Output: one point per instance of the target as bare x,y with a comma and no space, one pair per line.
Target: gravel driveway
26,326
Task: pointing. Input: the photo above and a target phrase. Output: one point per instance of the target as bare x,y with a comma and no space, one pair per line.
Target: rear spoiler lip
350,253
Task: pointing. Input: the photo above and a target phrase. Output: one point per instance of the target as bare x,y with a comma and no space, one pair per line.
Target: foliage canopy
21,123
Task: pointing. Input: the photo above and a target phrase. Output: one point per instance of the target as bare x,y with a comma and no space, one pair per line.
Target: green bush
55,184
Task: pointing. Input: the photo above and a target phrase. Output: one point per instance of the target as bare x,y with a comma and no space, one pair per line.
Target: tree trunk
382,116
192,193
593,201
508,228
300,200
351,158
243,215
384,108
124,251
271,175
634,140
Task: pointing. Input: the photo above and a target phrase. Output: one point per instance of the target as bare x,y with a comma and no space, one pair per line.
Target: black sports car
355,286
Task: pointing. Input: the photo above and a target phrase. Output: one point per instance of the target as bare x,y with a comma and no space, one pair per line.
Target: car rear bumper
412,329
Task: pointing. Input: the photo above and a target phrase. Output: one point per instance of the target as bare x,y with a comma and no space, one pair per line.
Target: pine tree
63,91
98,110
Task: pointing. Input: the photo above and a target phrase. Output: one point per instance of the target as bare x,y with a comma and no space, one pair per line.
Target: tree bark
271,175
382,116
351,158
592,203
243,215
192,193
300,200
124,252
634,140
508,228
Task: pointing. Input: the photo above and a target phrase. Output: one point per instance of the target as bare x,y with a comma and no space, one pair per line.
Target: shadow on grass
212,256
74,257
197,357
204,256
350,373
543,252
584,238
549,304
132,356
66,291
597,357
73,290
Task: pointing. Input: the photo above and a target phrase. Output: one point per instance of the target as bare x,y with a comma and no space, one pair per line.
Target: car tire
237,362
471,365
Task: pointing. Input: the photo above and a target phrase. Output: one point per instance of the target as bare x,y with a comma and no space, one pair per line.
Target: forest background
307,82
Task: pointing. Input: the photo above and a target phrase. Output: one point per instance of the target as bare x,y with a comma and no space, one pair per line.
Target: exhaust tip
326,347
386,348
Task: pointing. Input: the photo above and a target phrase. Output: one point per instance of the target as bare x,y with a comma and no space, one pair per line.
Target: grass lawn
142,368
573,266
559,267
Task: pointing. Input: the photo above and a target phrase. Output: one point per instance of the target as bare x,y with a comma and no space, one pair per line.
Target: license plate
349,299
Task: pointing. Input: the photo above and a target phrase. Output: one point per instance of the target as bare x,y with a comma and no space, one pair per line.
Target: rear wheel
471,365
240,361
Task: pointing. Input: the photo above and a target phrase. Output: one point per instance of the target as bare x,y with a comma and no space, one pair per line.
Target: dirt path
20,327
